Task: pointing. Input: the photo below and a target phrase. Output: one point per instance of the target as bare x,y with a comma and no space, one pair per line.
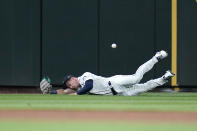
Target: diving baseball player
125,85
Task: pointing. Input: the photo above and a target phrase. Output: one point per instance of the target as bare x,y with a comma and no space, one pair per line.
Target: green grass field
179,102
92,126
144,102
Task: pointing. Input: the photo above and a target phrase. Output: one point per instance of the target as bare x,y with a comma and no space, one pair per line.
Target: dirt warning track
50,115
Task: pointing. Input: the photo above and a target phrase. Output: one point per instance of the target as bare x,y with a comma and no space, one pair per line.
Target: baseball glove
45,85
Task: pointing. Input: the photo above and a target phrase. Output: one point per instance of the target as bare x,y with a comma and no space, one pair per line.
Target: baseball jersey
100,84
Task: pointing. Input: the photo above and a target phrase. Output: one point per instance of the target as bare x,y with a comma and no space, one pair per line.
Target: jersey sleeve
87,87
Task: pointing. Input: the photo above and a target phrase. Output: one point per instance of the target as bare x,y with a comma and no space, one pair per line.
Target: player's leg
140,88
147,66
127,80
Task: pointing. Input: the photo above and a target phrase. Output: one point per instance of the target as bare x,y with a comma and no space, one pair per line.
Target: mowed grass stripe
96,126
148,96
144,102
177,102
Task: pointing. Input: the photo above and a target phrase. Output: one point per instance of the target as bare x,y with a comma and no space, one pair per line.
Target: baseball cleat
168,75
161,55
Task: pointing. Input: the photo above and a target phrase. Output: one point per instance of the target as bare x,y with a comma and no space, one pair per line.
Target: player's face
73,83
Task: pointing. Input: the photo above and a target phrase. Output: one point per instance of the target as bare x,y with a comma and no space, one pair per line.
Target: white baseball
113,45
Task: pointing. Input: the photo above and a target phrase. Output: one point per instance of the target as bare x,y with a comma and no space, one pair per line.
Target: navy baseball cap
66,78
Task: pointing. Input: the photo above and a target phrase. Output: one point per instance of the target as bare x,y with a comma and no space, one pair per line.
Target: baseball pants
140,88
128,80
128,85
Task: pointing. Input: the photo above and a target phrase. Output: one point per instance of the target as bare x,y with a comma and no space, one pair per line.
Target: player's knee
137,78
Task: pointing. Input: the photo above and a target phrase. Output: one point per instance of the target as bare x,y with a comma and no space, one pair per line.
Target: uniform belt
112,89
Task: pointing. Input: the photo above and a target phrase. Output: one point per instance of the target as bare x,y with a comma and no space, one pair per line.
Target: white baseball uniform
126,85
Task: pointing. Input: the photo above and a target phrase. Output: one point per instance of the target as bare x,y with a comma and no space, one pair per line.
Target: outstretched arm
46,88
65,91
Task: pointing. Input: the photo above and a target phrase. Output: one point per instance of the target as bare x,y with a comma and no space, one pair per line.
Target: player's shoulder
87,74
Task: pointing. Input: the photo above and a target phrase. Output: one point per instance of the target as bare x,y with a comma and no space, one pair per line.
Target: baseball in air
113,45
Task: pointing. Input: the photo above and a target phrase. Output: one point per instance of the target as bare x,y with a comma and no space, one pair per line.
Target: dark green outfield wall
47,37
70,38
20,42
187,42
